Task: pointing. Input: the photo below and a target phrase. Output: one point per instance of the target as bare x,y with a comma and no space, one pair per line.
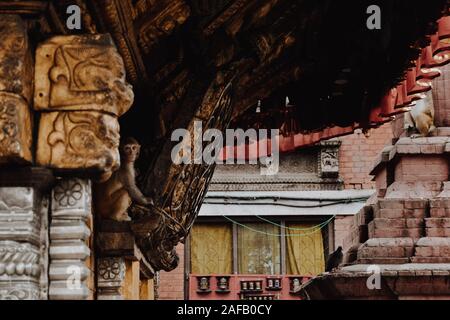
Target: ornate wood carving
172,14
178,200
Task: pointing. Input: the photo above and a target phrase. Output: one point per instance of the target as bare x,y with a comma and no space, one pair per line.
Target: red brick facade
357,155
171,284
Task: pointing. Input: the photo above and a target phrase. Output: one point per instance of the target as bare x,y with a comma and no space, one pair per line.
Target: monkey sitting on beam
419,121
114,197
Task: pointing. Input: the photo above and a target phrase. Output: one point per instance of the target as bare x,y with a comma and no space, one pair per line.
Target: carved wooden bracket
178,190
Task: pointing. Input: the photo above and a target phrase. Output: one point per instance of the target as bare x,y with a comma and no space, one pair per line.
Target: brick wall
357,155
171,284
342,227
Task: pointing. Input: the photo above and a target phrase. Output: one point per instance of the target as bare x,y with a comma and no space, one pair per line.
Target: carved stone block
19,271
329,159
79,141
19,220
15,57
69,233
15,91
110,278
82,72
15,129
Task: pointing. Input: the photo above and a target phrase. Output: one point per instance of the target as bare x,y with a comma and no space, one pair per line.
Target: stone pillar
69,233
110,278
24,233
79,91
23,200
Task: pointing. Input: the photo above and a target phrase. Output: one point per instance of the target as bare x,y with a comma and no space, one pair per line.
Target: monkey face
130,152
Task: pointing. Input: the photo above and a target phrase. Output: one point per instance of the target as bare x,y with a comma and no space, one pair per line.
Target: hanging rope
279,234
320,225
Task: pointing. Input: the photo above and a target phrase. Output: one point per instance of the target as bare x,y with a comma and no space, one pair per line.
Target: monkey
420,119
114,197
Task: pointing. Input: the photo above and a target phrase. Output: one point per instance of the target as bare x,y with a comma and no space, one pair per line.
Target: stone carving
111,276
15,129
79,141
15,57
80,83
22,227
15,91
81,73
329,159
69,232
114,197
19,294
19,219
111,269
19,259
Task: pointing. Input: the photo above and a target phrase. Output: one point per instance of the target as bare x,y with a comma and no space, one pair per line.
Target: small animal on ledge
114,197
419,121
334,260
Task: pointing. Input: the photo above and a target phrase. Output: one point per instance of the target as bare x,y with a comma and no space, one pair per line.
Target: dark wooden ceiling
319,53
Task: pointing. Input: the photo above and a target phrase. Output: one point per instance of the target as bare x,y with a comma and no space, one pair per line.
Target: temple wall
171,284
357,154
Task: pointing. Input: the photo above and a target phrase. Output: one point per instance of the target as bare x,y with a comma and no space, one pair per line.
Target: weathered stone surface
19,219
15,58
15,129
414,190
15,91
437,232
437,222
381,223
19,260
69,233
59,291
81,141
389,242
375,232
82,72
19,290
110,278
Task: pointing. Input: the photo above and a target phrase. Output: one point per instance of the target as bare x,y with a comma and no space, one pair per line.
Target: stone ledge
397,282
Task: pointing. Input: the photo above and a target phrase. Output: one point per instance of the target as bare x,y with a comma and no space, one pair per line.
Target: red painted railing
245,286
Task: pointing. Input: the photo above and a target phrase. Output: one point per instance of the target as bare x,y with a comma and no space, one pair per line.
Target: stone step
437,232
415,233
400,213
382,223
383,260
430,259
437,222
385,252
